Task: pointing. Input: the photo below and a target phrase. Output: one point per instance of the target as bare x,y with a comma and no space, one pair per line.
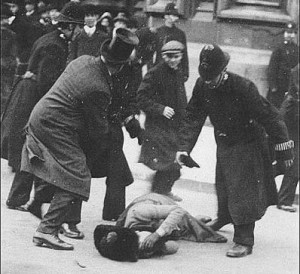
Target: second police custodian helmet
212,61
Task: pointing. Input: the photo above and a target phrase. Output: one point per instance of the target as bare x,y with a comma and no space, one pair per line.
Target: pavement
276,247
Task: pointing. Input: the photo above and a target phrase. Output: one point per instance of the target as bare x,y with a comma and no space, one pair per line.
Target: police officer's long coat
239,116
68,130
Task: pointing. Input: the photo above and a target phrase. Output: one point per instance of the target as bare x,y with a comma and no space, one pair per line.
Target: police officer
283,59
244,181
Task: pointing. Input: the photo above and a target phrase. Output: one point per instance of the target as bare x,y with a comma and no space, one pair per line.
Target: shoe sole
232,255
44,243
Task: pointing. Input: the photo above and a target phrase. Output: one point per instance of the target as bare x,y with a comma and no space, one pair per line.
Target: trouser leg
20,189
244,234
57,214
164,180
114,201
222,197
286,194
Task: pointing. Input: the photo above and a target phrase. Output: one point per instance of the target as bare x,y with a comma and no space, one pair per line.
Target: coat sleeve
273,68
185,59
147,93
50,68
194,118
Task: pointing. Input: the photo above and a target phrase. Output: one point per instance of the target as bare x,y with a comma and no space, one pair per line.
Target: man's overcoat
68,124
47,62
241,117
161,87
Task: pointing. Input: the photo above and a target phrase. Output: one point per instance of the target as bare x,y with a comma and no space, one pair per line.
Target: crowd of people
74,76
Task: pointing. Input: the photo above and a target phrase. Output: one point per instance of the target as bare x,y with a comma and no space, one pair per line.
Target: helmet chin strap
223,77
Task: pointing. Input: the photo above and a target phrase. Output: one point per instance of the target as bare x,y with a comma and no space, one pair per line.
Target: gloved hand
188,161
134,129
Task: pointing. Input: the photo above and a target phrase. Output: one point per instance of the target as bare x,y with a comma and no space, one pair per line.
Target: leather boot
239,250
71,231
50,241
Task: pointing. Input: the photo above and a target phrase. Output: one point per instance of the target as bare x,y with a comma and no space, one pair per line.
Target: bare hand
168,112
149,241
178,155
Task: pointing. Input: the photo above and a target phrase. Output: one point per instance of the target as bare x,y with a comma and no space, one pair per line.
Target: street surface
276,247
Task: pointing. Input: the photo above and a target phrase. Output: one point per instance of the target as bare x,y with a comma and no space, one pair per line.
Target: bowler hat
171,9
118,49
89,9
71,13
212,61
172,47
116,242
291,27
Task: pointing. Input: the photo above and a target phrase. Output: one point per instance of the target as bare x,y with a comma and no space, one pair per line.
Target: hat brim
105,53
60,18
206,76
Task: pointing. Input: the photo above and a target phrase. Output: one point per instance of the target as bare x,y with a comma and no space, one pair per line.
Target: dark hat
32,2
212,61
5,11
116,242
121,17
71,13
105,15
291,27
172,47
171,9
118,49
90,9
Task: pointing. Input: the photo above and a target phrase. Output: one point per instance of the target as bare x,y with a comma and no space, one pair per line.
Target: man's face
105,22
171,19
29,7
172,59
91,20
14,8
120,24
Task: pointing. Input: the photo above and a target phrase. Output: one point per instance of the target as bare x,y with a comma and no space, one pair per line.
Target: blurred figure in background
8,55
31,12
89,40
121,21
168,32
290,111
105,23
283,59
46,63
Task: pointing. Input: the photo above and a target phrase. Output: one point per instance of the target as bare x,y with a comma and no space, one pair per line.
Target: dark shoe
238,251
174,197
20,208
287,208
71,231
50,241
217,224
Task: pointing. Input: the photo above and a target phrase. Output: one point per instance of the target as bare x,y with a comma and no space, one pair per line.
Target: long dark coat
164,35
283,59
86,45
239,115
47,62
161,87
68,125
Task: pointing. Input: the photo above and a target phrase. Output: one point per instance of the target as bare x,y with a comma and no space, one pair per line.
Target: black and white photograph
150,136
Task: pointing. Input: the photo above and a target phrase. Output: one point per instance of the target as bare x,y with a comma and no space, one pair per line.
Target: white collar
28,13
89,31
